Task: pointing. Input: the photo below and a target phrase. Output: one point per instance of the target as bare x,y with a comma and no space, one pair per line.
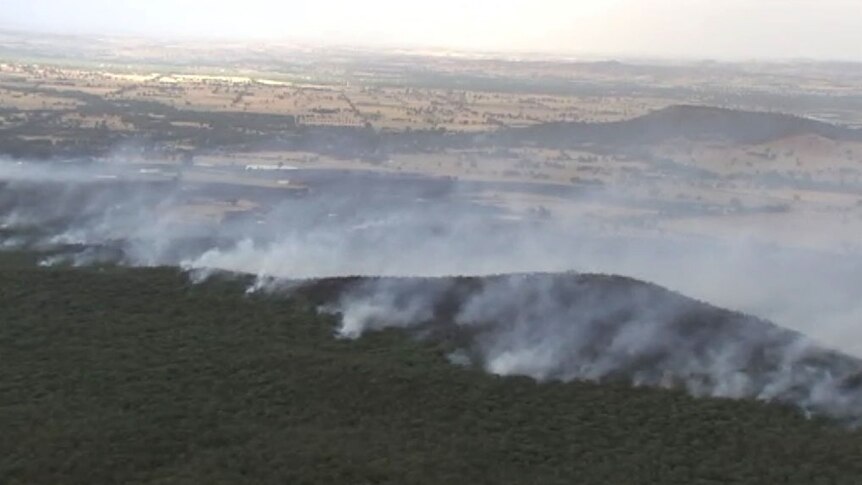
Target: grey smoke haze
359,232
410,231
825,29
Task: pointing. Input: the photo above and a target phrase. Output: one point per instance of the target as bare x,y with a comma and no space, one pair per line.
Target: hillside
682,121
602,328
115,375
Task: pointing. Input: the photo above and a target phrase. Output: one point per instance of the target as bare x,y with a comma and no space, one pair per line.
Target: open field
382,107
201,123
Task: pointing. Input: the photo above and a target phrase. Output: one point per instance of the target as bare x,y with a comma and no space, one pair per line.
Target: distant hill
683,121
699,123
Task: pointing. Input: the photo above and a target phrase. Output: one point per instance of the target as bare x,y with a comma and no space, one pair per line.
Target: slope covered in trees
114,375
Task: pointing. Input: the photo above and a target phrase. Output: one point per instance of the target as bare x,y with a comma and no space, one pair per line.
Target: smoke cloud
546,328
589,327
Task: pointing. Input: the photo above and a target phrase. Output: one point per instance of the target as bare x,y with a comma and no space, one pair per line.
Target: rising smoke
598,328
546,328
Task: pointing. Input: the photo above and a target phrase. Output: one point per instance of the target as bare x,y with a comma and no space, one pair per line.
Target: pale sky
744,29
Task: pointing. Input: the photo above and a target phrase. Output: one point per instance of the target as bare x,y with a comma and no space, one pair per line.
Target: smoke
546,328
587,327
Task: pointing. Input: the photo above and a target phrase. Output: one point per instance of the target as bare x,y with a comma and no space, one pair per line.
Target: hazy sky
669,28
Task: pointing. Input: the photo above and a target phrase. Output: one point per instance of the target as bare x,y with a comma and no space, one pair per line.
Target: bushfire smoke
544,327
591,327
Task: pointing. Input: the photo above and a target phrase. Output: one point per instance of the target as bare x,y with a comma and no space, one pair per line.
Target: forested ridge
118,375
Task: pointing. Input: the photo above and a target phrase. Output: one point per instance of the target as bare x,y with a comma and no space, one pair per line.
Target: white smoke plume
589,327
102,212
